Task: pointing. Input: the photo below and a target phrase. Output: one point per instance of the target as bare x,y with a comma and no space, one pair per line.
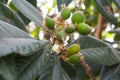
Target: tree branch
100,26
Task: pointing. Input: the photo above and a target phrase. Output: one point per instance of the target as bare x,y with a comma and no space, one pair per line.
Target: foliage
23,57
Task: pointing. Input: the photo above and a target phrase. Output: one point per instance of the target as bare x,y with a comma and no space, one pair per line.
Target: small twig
87,68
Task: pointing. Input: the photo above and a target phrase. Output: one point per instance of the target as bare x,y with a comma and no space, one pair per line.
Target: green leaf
117,3
25,19
110,72
33,2
60,2
77,72
10,31
21,46
101,4
29,11
7,68
81,73
117,38
11,17
98,51
33,67
53,70
69,69
57,71
47,72
116,73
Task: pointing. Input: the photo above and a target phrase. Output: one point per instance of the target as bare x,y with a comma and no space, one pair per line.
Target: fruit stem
86,67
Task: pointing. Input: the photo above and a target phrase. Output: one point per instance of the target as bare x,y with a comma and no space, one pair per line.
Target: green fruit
74,59
70,29
77,17
65,13
50,23
73,49
83,29
60,35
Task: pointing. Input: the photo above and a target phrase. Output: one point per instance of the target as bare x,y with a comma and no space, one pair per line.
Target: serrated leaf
11,31
60,2
29,11
20,46
101,4
7,68
33,67
98,51
117,2
11,17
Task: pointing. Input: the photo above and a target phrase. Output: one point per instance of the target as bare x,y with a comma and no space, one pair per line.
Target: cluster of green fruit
77,23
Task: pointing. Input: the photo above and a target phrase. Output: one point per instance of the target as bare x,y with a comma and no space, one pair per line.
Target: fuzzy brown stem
100,26
86,67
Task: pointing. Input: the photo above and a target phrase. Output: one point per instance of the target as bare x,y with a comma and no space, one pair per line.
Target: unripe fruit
50,23
83,29
74,59
77,17
69,29
73,49
60,35
65,13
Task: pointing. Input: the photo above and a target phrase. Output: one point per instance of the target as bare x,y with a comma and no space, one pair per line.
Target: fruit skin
73,49
65,13
83,29
70,29
74,59
60,34
77,17
50,23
